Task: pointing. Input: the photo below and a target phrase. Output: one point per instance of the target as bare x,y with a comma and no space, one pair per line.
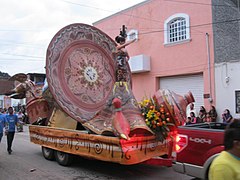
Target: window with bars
176,29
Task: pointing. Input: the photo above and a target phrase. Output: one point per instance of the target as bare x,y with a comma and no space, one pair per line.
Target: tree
4,75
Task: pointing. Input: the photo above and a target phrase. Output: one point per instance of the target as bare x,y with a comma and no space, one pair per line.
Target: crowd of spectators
204,116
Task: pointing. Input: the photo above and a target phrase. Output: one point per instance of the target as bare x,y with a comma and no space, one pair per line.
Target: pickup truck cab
196,147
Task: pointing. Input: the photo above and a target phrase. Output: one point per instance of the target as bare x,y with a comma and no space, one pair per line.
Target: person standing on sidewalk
11,122
227,164
2,123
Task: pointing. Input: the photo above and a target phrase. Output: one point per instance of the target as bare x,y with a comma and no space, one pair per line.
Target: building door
182,84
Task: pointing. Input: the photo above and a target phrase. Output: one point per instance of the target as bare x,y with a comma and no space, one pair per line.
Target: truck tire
48,153
63,158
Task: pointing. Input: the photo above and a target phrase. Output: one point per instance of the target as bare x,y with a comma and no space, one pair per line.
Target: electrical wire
20,43
132,16
120,12
198,3
22,55
198,25
33,60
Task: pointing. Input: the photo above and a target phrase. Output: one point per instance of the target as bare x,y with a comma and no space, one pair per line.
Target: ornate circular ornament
90,74
80,70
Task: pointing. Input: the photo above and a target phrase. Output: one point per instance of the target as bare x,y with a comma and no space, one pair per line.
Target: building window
177,29
1,103
132,34
237,101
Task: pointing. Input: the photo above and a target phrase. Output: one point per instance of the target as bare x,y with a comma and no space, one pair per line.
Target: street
26,162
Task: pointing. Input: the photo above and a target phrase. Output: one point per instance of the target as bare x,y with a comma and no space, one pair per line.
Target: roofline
36,73
121,12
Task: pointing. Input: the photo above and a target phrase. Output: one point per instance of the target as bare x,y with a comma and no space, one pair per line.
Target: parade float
87,107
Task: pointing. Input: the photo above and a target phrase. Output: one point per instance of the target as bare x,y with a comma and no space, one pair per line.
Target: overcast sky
27,27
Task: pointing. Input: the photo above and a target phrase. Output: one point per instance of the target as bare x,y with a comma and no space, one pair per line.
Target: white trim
131,33
171,18
178,42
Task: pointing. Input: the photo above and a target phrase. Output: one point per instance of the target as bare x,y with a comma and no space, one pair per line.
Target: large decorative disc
80,70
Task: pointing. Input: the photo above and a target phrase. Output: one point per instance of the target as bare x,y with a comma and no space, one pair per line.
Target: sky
27,27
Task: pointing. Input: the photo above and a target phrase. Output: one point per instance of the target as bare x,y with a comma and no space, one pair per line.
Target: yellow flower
156,117
145,102
149,114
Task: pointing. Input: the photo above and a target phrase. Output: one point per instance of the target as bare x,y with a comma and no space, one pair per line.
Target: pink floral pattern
80,70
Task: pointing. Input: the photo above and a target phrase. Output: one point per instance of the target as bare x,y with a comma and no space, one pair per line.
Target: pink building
174,47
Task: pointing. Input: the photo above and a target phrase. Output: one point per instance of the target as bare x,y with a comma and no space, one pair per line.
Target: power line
155,31
192,26
22,55
205,4
20,29
83,5
20,43
6,59
120,12
198,25
174,68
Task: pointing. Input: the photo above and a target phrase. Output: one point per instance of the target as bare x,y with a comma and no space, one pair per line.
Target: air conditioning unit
140,63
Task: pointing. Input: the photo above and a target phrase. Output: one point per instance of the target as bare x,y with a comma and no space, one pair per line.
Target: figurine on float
37,107
124,121
24,86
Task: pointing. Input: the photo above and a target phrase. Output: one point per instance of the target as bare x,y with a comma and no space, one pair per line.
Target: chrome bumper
189,169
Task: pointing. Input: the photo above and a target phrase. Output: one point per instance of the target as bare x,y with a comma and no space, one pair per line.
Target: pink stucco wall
186,58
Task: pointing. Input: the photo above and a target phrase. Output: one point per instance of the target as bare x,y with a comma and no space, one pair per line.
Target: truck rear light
181,142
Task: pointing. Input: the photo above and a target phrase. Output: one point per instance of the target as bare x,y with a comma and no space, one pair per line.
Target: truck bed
205,126
105,148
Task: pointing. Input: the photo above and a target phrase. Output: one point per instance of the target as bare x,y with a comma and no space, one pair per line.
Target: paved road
27,163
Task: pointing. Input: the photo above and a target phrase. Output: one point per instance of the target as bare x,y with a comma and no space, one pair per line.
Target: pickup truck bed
196,147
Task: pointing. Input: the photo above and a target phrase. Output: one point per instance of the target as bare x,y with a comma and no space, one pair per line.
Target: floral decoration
156,117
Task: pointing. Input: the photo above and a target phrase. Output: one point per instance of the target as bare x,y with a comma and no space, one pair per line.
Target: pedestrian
188,121
227,164
10,126
213,114
2,123
193,118
208,119
191,109
202,115
203,110
20,121
226,116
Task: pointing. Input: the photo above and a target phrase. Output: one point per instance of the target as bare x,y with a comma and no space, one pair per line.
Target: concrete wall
226,30
227,82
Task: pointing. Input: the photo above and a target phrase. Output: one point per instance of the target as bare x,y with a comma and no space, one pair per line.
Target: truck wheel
63,158
48,153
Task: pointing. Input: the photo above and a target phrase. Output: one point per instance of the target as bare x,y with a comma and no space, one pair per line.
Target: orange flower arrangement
156,118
